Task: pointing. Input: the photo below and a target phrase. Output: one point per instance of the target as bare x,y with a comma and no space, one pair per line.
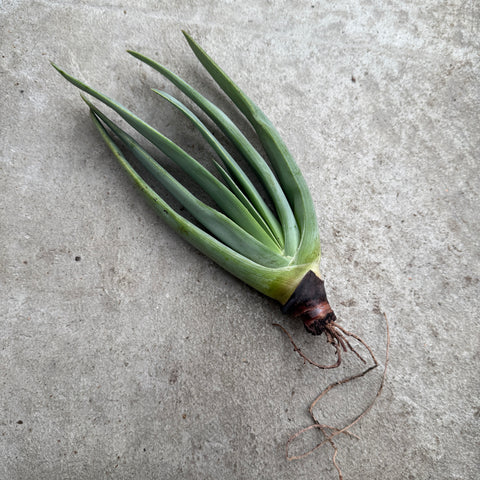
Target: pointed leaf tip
56,67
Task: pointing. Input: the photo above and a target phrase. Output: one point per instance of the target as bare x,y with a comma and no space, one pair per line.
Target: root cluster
338,337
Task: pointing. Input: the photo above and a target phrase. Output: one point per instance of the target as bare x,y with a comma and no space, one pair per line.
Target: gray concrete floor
126,354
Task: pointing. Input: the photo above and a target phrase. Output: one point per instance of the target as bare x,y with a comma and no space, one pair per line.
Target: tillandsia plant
274,249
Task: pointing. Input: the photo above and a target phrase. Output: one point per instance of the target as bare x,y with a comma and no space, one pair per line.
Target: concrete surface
125,354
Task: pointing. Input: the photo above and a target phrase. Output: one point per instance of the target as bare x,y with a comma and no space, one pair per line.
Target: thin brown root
335,451
307,359
334,459
356,337
382,383
328,438
344,430
334,429
336,384
341,341
336,336
353,350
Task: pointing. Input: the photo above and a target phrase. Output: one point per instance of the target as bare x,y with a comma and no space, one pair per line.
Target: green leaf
277,283
221,226
244,199
256,161
268,220
221,195
286,169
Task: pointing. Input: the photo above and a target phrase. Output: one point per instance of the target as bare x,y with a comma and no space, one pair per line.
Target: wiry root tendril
337,336
306,359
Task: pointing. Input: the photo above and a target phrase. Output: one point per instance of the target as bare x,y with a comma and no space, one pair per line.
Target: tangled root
336,336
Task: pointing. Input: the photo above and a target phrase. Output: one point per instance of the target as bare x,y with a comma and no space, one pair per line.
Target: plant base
309,302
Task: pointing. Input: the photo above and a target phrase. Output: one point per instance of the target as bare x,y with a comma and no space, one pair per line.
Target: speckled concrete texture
126,354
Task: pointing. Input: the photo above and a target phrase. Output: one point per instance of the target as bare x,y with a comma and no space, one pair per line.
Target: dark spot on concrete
476,413
349,303
173,377
20,422
77,258
25,262
470,281
184,416
353,79
454,248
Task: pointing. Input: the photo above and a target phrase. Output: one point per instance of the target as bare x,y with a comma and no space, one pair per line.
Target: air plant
275,249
